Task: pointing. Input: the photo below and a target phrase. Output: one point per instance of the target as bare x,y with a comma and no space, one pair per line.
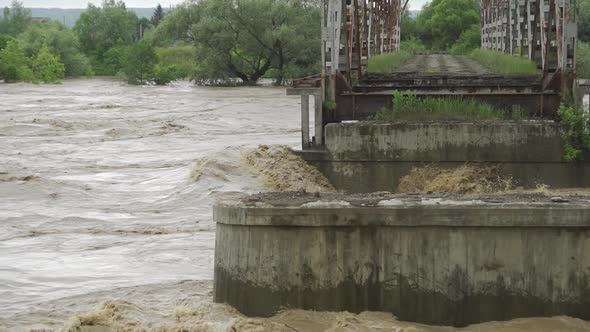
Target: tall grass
388,62
502,63
409,107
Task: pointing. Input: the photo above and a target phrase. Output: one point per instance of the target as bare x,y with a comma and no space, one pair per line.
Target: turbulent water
105,207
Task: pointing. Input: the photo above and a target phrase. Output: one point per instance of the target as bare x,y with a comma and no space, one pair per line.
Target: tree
408,27
47,68
15,19
139,62
177,25
158,16
468,41
60,42
442,22
14,64
100,29
247,39
4,40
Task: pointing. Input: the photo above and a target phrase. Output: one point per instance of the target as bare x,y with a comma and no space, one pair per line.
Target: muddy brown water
105,207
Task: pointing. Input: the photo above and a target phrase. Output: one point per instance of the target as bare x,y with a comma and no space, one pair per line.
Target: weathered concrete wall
431,260
370,156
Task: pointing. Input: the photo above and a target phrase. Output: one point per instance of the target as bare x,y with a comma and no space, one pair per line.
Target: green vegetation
100,30
47,68
158,16
576,133
4,40
506,64
15,19
14,65
469,41
441,24
139,62
584,22
178,62
583,60
454,26
249,39
410,107
60,41
387,63
413,45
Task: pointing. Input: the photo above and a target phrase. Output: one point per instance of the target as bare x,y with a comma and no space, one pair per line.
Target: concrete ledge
438,259
372,156
486,141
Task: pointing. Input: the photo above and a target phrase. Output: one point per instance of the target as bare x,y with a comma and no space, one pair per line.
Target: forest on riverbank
215,42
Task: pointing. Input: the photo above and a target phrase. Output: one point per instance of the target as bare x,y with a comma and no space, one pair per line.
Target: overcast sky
414,4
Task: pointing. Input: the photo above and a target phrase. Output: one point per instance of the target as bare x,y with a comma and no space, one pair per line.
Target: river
105,207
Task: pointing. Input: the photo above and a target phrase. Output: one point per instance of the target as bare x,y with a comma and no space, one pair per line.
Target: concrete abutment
371,156
435,260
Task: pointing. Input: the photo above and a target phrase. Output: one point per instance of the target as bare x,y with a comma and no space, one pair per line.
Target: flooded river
105,207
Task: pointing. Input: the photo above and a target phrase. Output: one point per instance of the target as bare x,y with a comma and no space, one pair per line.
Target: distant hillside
70,16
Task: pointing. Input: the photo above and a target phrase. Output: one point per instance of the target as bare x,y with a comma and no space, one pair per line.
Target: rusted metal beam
545,31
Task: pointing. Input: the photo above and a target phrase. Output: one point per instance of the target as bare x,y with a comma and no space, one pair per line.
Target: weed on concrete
408,106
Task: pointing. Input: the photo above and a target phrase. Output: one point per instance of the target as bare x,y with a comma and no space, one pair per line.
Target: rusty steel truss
544,31
354,30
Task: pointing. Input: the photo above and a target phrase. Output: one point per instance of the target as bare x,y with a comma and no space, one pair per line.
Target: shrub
468,41
413,45
139,62
503,63
576,132
387,63
166,73
111,63
14,65
47,68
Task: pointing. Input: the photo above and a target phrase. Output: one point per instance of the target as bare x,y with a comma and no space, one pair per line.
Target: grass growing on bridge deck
388,62
409,106
505,64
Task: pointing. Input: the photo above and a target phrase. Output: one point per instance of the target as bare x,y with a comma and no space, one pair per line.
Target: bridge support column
305,93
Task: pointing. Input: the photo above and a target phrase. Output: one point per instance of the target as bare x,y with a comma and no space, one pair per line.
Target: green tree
584,31
442,22
139,62
468,41
247,39
4,40
14,65
15,19
60,41
408,27
47,68
111,62
158,16
100,29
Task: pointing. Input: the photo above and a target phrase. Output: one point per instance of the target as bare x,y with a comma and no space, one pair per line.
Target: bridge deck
444,64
